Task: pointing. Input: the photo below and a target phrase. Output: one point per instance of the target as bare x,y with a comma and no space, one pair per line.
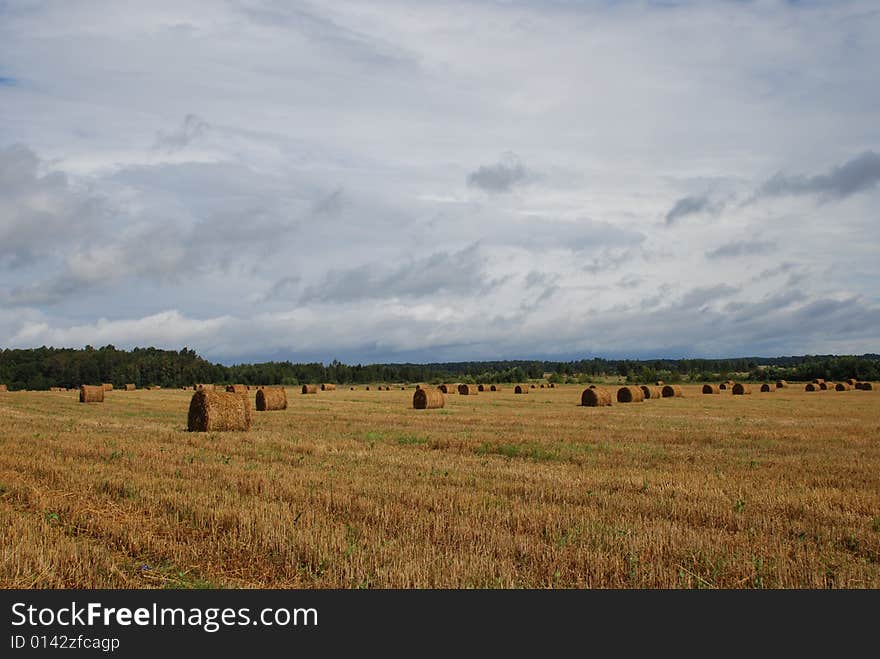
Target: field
355,489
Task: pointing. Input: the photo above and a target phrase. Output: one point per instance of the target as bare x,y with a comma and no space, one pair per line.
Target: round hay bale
851,382
107,386
328,387
811,386
352,388
129,387
824,386
521,389
204,387
495,387
269,399
542,386
237,388
218,410
428,399
781,383
482,387
446,388
531,386
651,392
367,388
552,385
403,388
723,386
672,391
741,389
711,389
659,383
4,387
843,386
91,394
630,394
866,386
595,397
313,389
818,381
766,387
467,390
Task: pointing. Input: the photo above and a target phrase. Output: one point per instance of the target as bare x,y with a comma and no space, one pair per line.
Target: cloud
856,175
501,176
741,248
192,128
690,205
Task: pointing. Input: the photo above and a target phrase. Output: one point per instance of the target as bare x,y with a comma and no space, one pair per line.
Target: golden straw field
355,489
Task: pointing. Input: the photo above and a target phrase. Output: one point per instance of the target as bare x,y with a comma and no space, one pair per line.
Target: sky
441,181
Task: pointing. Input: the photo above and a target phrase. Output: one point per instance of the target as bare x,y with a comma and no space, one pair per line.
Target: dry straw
482,387
866,386
495,387
4,387
811,386
595,397
851,382
843,386
237,388
130,386
313,388
630,394
218,410
328,387
467,390
269,399
741,389
107,386
90,394
428,399
781,383
447,388
711,389
521,389
824,386
766,387
204,387
672,391
651,392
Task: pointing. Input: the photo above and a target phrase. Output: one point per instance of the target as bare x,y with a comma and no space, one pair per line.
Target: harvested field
359,491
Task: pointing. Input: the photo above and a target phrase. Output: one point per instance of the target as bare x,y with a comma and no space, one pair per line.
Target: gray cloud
855,175
741,248
501,176
690,205
192,128
699,297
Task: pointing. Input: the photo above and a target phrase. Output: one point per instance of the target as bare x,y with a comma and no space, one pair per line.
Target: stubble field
355,489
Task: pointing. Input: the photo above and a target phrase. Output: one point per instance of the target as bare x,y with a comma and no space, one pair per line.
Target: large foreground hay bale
428,399
218,410
237,388
651,392
130,386
766,387
672,391
313,389
741,389
328,387
843,386
866,386
711,389
274,398
595,397
467,390
781,383
495,387
521,389
630,394
90,394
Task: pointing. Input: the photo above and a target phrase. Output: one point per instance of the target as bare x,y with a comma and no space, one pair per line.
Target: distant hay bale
90,394
237,388
843,386
659,383
531,386
428,399
741,389
218,410
542,386
367,388
781,383
824,386
723,386
711,389
672,391
866,386
811,386
651,392
447,388
818,381
495,387
595,397
274,398
130,386
312,389
592,386
107,386
204,387
328,387
4,387
482,387
851,382
467,390
630,394
521,389
552,386
352,388
766,387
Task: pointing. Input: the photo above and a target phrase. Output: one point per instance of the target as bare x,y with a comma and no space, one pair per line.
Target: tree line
41,368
